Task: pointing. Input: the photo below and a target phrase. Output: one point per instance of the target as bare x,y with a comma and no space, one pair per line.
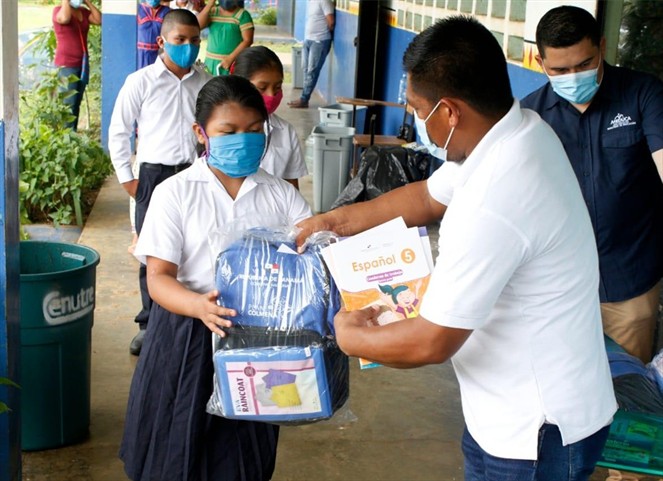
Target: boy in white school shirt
160,99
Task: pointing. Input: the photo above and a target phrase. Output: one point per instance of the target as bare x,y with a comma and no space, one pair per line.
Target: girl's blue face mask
236,155
183,55
153,3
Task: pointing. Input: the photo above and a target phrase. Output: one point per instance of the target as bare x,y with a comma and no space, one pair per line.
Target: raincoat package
279,362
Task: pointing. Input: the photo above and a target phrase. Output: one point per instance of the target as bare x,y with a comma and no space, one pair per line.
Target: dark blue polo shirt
610,146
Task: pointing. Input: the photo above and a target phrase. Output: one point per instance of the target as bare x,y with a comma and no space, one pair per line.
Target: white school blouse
284,157
186,207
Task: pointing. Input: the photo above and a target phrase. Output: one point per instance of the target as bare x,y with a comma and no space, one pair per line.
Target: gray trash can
297,72
332,160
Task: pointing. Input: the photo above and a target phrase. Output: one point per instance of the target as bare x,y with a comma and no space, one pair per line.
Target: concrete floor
398,425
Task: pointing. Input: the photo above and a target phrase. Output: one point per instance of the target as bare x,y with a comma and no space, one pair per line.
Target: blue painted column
118,46
10,432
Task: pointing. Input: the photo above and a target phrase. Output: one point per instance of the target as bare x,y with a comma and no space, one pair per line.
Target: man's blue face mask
183,55
434,150
577,88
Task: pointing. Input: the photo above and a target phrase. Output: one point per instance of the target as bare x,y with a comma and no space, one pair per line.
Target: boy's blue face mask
236,155
183,55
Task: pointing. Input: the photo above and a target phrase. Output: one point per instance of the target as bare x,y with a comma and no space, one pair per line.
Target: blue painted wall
337,78
396,41
118,61
300,20
523,81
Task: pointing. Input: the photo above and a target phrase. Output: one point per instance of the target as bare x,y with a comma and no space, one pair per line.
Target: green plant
266,16
6,382
59,167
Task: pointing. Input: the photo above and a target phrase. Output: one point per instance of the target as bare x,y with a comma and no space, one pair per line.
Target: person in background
610,120
160,99
230,31
264,69
149,18
513,298
71,23
318,36
168,433
194,6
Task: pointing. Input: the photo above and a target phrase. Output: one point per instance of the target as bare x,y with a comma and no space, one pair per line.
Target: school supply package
279,362
388,266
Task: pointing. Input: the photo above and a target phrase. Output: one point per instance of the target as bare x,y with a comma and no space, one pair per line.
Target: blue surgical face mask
75,3
236,155
153,3
183,55
577,88
435,151
228,4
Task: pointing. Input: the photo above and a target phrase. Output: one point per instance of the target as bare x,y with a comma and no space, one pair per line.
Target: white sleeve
125,112
161,235
327,7
298,209
478,254
441,183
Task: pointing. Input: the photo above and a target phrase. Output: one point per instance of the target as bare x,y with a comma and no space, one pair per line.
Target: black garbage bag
382,169
635,390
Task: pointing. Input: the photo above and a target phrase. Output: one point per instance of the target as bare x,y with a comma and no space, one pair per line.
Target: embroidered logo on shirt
620,120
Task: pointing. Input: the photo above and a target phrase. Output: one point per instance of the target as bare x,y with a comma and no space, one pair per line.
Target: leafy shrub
266,16
59,167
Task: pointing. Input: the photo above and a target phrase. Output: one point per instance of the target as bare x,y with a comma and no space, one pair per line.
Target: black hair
224,89
180,16
458,57
565,26
256,59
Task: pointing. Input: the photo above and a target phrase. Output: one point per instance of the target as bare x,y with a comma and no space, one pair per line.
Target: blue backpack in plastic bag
279,362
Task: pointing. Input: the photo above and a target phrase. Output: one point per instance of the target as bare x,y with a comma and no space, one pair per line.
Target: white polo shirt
186,207
518,265
284,157
163,106
317,28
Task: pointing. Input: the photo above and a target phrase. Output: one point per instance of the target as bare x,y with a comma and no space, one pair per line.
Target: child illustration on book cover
402,300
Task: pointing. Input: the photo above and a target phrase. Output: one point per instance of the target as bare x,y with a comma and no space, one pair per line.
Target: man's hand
317,223
212,315
345,322
131,187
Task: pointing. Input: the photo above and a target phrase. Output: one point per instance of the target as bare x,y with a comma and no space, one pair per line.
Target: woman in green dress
230,32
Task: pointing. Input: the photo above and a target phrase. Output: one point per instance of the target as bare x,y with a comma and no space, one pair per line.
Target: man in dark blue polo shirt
610,120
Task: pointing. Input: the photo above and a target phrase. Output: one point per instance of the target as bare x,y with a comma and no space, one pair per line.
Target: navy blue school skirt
168,435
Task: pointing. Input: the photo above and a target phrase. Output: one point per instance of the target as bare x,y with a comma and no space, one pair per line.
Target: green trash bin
57,308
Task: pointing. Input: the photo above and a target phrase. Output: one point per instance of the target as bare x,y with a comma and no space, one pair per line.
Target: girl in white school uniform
284,157
168,435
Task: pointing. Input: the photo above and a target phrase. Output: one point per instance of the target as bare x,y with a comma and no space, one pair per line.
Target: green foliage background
60,167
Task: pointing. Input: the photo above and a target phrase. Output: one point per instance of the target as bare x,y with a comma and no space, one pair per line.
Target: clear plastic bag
279,362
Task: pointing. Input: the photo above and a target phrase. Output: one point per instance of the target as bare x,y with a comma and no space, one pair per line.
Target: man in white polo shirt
513,299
